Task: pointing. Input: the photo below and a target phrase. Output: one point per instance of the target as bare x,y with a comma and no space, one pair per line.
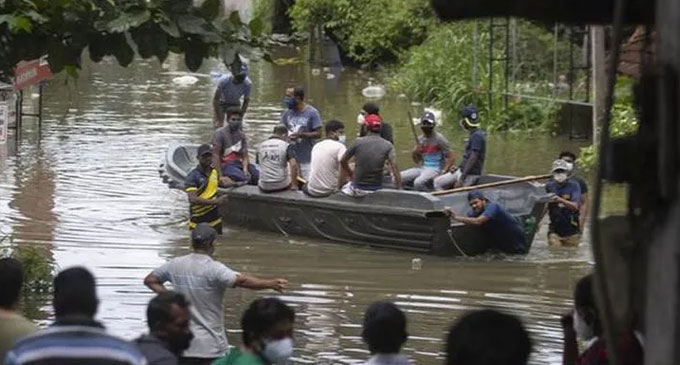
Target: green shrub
38,269
367,31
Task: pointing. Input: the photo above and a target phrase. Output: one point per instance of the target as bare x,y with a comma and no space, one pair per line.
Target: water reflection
101,204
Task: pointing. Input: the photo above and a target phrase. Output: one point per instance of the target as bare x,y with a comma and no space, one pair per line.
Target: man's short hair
233,110
262,315
280,130
371,108
202,236
74,293
333,126
487,337
299,92
160,307
583,293
11,281
384,329
567,154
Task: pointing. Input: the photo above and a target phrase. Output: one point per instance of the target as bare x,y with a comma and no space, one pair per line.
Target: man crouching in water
504,232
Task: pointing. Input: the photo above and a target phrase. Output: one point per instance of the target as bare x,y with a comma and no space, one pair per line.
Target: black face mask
239,79
235,125
427,130
180,343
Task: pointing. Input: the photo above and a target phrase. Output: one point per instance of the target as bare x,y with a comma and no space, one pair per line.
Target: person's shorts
555,240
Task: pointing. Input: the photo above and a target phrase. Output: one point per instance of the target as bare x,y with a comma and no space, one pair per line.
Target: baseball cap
203,234
203,149
560,164
475,194
470,117
428,118
373,121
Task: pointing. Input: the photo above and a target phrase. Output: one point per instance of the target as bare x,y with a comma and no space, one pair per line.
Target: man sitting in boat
201,186
504,231
386,130
432,153
472,164
304,126
231,150
564,208
324,177
370,155
230,90
276,157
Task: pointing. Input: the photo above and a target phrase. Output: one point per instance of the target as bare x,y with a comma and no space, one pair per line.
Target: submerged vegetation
38,267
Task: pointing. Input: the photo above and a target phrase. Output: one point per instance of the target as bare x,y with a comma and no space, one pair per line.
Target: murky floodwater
88,193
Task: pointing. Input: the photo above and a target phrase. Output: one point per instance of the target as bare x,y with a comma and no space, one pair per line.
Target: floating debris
186,80
374,91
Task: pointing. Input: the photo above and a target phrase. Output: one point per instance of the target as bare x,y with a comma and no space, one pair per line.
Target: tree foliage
63,29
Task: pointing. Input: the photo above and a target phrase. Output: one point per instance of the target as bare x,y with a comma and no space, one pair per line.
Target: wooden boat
397,219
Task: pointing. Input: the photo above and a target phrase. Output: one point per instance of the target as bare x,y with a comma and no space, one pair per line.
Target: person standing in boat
386,130
230,148
304,127
432,153
570,159
472,164
370,155
230,90
504,231
201,186
276,157
564,208
325,177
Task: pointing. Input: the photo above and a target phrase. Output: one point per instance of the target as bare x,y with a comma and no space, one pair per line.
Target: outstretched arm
155,284
218,118
255,283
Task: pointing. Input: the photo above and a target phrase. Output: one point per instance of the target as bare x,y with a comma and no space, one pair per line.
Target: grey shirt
233,144
230,93
155,351
389,359
272,156
370,154
203,281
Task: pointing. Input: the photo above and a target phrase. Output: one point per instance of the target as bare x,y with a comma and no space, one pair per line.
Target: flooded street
87,191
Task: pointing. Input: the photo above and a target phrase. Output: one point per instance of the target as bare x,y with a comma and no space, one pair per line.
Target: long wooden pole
413,127
493,184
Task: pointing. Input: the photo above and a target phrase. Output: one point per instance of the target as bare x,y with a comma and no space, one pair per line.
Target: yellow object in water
287,61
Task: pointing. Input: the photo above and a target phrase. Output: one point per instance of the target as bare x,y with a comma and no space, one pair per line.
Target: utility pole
599,83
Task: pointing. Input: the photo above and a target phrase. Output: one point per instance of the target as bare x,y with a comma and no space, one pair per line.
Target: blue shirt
230,93
73,342
308,120
475,143
504,230
563,220
434,150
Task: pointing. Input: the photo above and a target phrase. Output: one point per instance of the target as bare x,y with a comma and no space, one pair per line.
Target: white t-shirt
203,281
325,167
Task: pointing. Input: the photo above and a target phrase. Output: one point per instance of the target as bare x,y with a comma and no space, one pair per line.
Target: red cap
373,121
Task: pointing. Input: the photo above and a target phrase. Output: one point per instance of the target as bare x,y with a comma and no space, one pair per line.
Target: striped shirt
74,342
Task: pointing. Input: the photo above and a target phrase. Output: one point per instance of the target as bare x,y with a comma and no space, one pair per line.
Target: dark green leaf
56,56
192,24
122,50
210,9
128,20
193,55
256,26
20,23
36,17
171,29
235,19
227,53
72,70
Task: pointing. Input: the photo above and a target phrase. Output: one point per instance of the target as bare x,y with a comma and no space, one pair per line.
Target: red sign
29,73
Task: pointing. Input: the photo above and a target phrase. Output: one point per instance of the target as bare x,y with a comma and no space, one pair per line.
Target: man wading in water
229,92
201,187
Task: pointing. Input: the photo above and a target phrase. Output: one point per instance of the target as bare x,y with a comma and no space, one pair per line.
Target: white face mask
360,119
278,351
342,138
560,177
570,166
582,329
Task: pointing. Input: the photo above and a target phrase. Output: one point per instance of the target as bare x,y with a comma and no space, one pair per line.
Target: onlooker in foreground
385,332
324,177
583,323
370,154
13,325
304,126
267,327
386,130
203,280
563,210
279,168
570,159
75,337
169,335
201,187
487,337
502,229
432,155
472,164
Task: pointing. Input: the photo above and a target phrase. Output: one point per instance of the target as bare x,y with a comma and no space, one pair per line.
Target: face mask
278,351
342,138
560,177
426,130
289,102
361,119
570,167
239,79
180,343
235,125
582,329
